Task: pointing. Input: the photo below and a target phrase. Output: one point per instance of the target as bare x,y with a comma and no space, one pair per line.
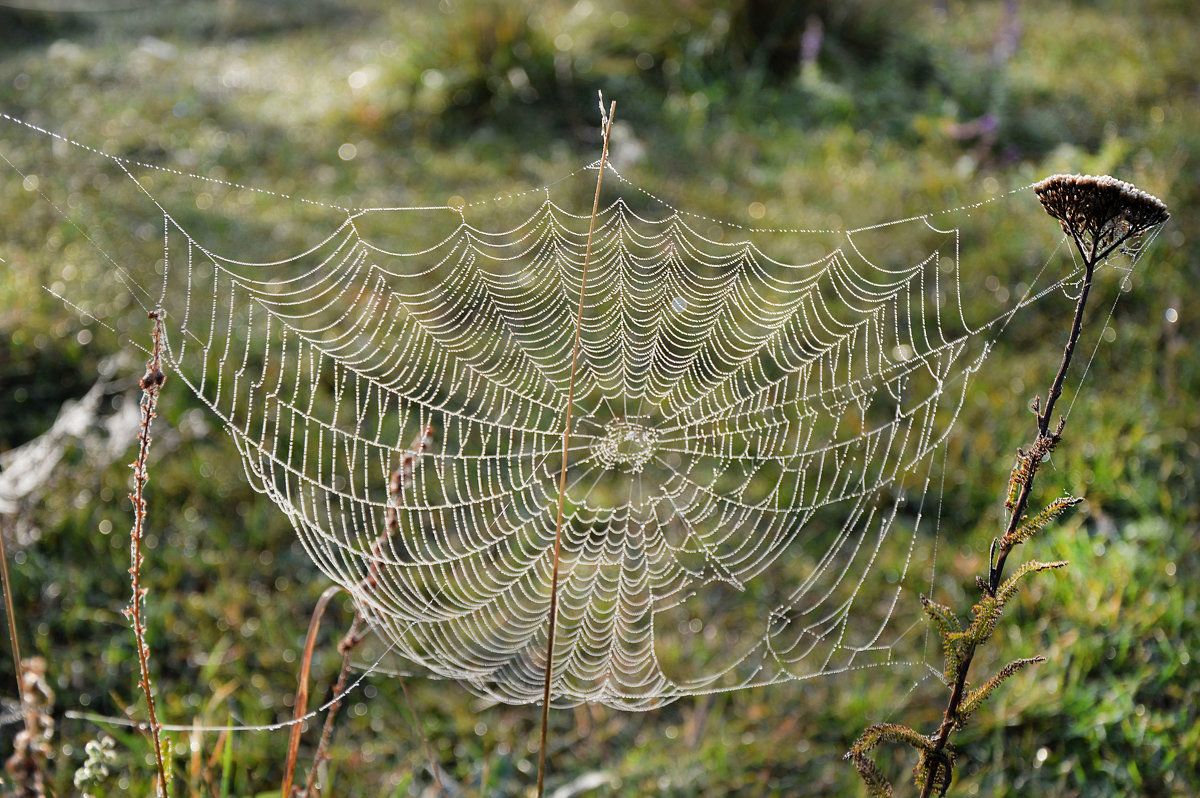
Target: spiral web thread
728,400
755,429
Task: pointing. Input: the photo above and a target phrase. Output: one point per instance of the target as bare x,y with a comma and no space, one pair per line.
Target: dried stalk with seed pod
1101,216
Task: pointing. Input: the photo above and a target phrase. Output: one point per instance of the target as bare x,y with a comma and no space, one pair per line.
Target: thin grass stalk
151,384
562,479
396,484
26,710
301,703
434,766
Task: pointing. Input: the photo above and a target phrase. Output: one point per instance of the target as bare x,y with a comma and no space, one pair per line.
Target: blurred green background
801,114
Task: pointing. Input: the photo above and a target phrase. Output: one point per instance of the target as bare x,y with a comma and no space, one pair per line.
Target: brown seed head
153,378
1102,210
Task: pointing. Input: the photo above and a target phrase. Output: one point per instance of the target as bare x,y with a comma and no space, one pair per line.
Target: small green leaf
227,764
876,783
1040,521
1011,585
1017,478
942,616
975,698
939,766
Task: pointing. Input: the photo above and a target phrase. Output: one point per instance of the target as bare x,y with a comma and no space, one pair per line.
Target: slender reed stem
301,702
151,384
26,710
396,484
1091,258
562,478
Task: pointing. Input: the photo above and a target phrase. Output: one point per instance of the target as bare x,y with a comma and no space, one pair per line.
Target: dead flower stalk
1101,215
151,384
399,480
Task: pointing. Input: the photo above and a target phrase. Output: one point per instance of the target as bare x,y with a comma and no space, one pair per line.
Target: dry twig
607,120
399,479
151,384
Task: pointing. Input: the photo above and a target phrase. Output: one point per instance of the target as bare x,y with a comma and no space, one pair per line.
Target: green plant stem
433,763
1091,257
562,479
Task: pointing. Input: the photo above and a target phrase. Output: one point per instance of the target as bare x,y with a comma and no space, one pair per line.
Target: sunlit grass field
895,110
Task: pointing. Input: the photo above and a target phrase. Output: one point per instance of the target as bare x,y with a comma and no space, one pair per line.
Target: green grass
258,92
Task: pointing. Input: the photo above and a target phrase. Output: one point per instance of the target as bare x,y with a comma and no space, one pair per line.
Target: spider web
755,429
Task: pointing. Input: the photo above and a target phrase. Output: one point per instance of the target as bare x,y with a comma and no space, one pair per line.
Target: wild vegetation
864,110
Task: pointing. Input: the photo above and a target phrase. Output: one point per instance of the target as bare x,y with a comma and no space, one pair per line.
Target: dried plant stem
26,710
396,484
25,764
348,643
151,384
562,478
301,702
937,758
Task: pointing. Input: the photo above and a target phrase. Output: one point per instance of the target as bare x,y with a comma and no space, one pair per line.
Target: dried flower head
31,747
1101,211
153,378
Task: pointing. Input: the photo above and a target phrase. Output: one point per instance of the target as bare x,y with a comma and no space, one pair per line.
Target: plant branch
26,709
1045,441
1044,438
151,384
301,702
399,479
562,479
346,646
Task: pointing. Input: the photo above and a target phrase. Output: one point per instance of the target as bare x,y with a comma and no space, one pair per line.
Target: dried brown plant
606,119
151,383
31,748
25,765
1100,210
1101,215
400,478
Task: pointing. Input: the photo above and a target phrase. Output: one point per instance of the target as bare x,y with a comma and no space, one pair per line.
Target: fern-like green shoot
975,698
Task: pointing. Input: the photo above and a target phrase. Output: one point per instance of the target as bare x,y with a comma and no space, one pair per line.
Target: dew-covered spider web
757,433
